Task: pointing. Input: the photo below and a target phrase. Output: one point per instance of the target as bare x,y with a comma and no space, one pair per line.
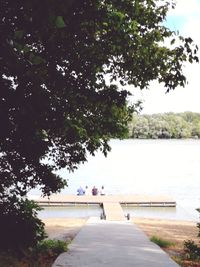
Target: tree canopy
165,125
59,63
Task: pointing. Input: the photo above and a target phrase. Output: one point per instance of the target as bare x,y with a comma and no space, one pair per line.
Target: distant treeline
165,125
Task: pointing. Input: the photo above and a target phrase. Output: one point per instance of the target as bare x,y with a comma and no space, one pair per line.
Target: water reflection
71,211
169,213
86,211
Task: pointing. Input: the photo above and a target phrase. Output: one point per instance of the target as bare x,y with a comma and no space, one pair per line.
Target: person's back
80,191
87,191
94,191
102,192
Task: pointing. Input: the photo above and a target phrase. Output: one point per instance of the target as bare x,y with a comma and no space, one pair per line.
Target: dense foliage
54,101
59,63
43,255
166,125
19,226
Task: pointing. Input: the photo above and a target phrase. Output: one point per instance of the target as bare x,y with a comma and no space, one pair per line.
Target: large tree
60,61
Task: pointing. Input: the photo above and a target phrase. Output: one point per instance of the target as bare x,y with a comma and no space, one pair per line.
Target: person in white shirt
87,192
102,192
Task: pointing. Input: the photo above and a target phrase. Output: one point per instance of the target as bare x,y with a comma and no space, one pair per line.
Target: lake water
153,167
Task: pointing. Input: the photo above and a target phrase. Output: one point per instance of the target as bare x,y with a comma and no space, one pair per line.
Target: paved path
117,244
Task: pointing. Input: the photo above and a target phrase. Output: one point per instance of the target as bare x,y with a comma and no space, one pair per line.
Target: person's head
86,187
102,187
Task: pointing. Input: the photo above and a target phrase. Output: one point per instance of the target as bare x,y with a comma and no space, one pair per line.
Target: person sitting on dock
94,191
87,191
80,191
102,192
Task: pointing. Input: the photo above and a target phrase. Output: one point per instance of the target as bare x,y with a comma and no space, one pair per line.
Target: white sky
186,19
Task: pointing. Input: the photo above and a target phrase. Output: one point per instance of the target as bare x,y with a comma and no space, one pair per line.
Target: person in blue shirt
80,191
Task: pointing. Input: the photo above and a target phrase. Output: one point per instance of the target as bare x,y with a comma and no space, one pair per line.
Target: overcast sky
186,19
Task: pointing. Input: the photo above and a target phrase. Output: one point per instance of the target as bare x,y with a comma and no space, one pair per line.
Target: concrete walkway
117,244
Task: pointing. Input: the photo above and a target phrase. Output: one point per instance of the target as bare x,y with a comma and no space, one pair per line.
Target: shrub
19,226
191,249
55,246
43,255
161,242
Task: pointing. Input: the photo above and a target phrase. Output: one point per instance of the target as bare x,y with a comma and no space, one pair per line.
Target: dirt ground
175,231
63,228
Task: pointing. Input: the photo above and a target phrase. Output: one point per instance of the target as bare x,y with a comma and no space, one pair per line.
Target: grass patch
55,246
162,242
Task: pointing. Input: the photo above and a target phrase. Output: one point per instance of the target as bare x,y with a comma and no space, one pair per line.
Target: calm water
156,167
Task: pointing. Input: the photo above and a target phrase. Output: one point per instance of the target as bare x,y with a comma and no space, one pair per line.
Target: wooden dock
111,203
133,200
113,211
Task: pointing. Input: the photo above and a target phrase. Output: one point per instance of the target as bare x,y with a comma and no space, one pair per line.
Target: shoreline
172,230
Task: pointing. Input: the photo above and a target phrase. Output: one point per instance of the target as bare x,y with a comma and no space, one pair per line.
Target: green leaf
173,41
36,60
60,22
26,49
19,34
134,25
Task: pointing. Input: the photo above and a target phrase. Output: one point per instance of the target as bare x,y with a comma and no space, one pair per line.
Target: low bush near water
161,242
